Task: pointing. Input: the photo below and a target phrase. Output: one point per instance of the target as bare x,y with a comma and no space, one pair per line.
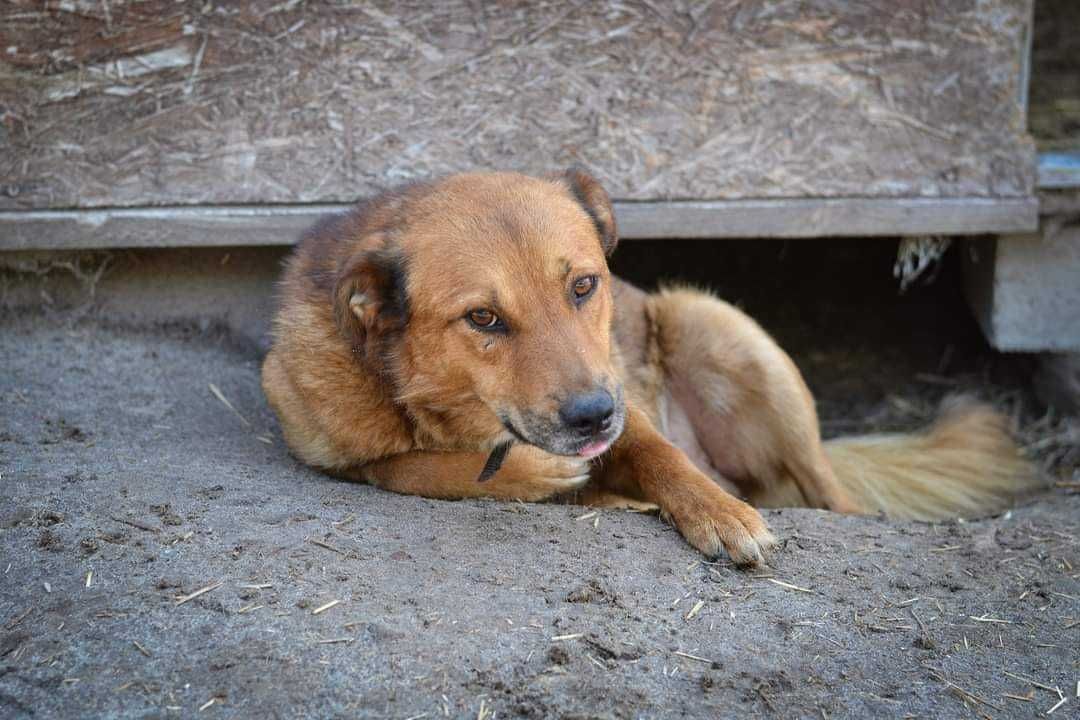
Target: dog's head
486,300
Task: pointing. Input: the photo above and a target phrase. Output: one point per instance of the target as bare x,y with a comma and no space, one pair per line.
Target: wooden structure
160,103
1025,287
165,123
1054,94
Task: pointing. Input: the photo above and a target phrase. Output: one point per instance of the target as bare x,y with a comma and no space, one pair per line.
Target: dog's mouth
585,448
557,439
595,448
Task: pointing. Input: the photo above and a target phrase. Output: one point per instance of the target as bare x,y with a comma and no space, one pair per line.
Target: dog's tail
965,464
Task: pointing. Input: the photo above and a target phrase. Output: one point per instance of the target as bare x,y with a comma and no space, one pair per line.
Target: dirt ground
161,555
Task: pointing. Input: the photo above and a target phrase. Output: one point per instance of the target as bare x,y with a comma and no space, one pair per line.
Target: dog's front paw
711,521
530,473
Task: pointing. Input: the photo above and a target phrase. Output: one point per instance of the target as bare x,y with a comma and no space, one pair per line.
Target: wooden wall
162,102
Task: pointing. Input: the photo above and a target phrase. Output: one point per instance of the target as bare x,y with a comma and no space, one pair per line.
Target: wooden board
282,225
1059,170
1054,105
119,104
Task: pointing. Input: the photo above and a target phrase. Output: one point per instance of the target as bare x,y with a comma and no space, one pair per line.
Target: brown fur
380,372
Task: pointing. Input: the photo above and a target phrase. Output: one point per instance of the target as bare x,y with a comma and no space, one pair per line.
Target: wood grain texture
186,226
1054,109
161,102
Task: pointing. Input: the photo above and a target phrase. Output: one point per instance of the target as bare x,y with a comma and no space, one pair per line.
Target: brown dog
424,331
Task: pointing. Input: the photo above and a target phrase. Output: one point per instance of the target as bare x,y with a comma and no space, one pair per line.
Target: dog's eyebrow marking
566,267
494,461
357,302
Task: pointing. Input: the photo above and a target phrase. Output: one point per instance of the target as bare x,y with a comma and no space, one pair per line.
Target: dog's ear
370,294
594,199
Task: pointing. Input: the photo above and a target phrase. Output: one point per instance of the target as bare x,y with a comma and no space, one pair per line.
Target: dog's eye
583,288
484,319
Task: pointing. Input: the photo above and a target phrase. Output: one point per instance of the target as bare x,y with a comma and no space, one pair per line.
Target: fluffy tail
965,464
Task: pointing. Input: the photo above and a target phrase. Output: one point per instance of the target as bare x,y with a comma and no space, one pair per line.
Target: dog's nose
588,413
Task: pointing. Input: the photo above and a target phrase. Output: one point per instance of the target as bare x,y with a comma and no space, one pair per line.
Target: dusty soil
128,488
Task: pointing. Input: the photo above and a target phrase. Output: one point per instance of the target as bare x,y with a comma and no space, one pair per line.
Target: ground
162,555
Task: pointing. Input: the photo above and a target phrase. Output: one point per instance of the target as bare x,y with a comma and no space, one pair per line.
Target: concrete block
1025,289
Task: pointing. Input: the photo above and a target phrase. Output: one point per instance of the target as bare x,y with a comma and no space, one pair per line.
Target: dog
464,338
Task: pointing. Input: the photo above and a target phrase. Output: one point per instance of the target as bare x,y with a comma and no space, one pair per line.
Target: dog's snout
588,413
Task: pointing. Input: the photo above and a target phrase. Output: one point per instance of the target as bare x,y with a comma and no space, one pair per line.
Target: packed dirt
162,555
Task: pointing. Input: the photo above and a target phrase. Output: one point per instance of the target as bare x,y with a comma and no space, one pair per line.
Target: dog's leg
644,465
527,474
750,408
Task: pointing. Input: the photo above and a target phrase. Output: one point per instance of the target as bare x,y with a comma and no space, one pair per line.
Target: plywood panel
161,102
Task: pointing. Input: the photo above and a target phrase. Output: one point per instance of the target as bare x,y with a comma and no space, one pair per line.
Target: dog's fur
380,372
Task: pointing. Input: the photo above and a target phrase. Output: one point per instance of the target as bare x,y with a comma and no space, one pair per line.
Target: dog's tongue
593,449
